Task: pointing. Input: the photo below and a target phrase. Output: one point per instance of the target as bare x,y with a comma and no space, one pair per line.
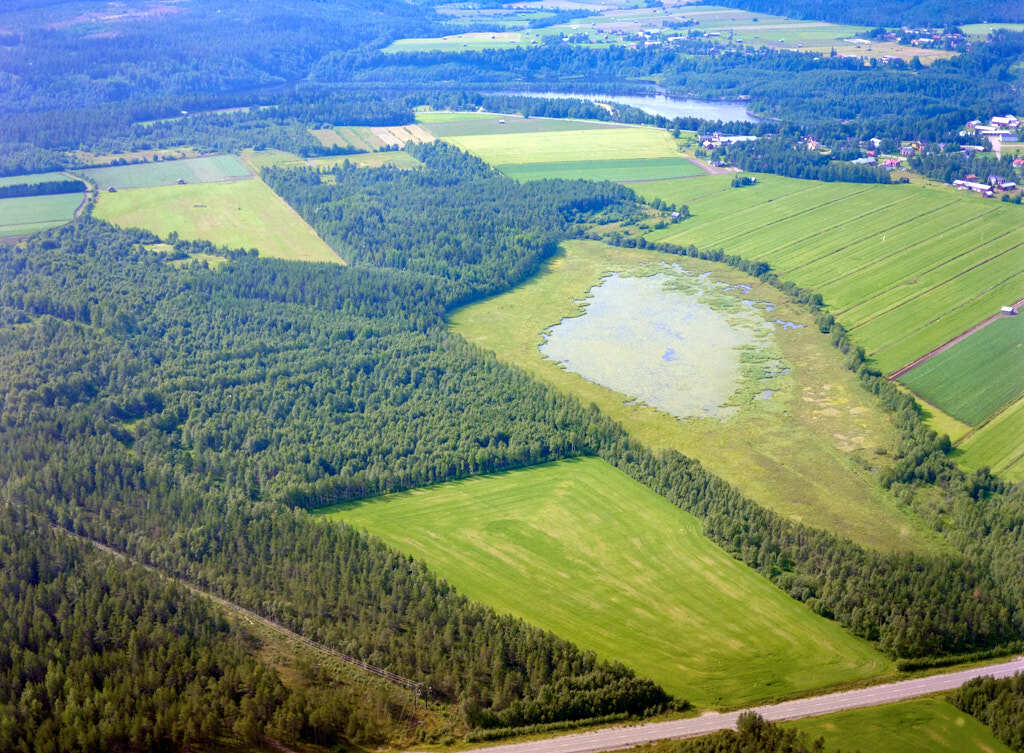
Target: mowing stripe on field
925,291
782,251
875,231
846,278
762,226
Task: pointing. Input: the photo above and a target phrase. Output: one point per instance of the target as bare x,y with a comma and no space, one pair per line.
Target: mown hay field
924,725
30,214
222,167
977,376
559,146
495,124
808,453
658,168
579,548
243,214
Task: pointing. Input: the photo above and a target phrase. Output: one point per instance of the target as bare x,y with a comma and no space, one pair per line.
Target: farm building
965,185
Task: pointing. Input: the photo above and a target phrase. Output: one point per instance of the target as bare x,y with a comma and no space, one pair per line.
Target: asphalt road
614,738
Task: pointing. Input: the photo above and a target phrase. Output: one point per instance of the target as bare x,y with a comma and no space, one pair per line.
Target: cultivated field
243,214
275,158
557,146
223,167
579,548
925,725
494,124
806,452
458,42
30,214
369,139
13,180
617,170
977,376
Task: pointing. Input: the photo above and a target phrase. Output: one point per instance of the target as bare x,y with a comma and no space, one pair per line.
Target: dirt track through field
954,341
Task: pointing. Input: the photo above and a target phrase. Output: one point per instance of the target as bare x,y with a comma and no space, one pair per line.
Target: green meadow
613,169
556,146
222,167
242,214
30,214
32,179
810,452
495,124
977,376
579,548
924,725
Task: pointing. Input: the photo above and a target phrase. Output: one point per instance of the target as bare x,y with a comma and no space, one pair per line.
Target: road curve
615,738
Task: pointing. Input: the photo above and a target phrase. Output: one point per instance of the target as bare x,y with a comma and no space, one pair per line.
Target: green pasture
501,124
368,159
810,452
977,376
579,548
32,179
222,167
657,168
556,146
25,215
923,725
983,30
998,444
450,116
242,214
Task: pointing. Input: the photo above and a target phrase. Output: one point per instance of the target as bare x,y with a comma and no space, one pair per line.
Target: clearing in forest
496,124
219,168
800,434
924,725
575,145
579,548
243,214
25,215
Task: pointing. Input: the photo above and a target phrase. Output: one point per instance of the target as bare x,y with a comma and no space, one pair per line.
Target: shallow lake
666,106
655,340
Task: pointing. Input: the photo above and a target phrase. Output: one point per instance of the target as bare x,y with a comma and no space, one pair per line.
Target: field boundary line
954,341
760,204
944,314
831,228
886,229
1007,408
419,688
926,291
909,248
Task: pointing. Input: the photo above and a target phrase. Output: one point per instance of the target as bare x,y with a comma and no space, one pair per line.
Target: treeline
792,158
999,704
45,188
752,735
930,13
957,165
96,655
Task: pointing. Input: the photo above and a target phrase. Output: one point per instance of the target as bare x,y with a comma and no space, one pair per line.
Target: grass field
581,549
924,725
244,214
977,376
999,444
222,167
806,453
613,169
458,42
557,146
500,124
257,160
30,214
13,180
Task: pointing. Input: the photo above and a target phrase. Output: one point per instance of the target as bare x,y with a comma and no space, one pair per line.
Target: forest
929,14
996,703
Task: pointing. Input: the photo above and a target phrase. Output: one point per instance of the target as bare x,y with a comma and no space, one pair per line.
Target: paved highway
614,738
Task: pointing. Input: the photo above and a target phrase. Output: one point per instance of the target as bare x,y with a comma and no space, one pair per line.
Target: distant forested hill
895,13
